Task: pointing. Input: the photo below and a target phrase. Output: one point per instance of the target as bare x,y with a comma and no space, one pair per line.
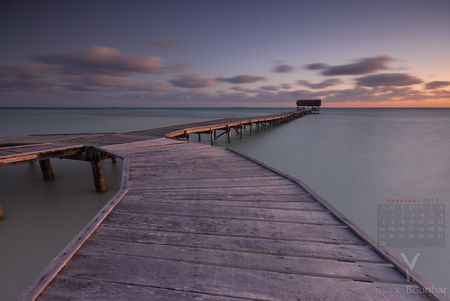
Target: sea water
356,159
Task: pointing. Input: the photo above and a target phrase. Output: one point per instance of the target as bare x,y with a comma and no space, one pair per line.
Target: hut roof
309,102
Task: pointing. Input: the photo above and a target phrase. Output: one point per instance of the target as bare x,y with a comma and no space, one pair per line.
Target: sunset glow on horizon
225,53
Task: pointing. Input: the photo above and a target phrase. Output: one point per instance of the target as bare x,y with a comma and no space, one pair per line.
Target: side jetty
197,222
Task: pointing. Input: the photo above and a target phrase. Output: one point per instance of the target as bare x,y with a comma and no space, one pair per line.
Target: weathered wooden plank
223,281
17,159
273,246
307,217
141,180
65,288
233,227
189,167
252,261
256,178
210,195
286,189
143,143
293,205
167,174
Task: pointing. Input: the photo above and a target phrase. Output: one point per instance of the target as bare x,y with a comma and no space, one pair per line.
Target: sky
214,53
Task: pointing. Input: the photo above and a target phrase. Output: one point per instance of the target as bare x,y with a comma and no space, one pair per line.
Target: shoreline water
289,147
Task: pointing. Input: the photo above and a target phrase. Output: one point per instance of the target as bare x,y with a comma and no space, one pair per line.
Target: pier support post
251,127
211,133
46,168
242,131
229,134
1,211
199,137
96,164
258,127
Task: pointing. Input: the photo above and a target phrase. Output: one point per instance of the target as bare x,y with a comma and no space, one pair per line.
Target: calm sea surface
356,159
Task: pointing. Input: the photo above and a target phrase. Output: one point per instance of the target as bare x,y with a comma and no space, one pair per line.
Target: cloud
324,84
315,66
102,60
192,81
26,76
361,66
242,79
282,68
436,85
25,71
108,83
270,88
285,86
162,43
388,79
242,89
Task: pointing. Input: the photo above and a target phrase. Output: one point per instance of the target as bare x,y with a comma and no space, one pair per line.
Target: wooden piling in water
96,164
1,211
46,168
212,134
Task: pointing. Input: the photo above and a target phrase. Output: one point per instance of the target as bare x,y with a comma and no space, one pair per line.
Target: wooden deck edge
50,150
112,147
56,265
25,145
166,126
417,279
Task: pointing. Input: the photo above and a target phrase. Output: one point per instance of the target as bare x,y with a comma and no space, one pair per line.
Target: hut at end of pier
313,103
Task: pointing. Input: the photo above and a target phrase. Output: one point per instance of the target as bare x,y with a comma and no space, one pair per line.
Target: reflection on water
42,217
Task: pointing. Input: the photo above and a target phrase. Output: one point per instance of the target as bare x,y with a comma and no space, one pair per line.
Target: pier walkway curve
192,221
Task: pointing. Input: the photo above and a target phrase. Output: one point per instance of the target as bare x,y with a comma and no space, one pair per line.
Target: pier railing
238,126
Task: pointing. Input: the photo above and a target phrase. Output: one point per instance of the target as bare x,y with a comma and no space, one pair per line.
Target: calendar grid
411,225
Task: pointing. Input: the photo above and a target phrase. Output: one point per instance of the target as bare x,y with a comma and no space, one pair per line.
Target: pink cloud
102,60
437,85
324,84
242,79
192,81
270,88
388,79
283,68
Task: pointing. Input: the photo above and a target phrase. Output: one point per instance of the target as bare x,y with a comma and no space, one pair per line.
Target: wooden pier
196,222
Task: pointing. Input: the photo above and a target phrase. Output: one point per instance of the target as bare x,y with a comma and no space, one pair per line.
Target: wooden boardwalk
196,222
